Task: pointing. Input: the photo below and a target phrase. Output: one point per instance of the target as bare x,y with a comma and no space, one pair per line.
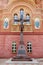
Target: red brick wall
6,45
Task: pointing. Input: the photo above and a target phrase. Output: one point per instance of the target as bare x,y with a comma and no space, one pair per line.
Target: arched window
15,18
21,13
28,19
29,47
37,23
6,23
14,47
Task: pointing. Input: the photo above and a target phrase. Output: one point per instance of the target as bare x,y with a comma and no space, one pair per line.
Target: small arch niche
37,23
6,23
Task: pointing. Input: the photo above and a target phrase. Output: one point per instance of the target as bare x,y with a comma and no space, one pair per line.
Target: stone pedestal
34,62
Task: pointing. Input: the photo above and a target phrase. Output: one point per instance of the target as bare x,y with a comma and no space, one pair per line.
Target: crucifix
22,20
21,53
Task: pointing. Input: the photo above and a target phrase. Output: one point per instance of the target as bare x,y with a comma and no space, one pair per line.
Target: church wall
6,45
36,40
29,7
11,20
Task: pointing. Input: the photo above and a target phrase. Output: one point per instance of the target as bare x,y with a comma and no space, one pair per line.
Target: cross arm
24,20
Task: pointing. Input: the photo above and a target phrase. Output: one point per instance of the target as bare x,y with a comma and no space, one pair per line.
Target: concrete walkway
2,61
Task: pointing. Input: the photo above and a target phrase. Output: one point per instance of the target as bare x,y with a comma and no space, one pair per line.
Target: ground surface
2,61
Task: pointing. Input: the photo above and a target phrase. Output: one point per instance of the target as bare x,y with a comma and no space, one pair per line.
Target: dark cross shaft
22,52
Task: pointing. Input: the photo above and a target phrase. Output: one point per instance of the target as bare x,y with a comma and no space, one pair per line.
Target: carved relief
37,1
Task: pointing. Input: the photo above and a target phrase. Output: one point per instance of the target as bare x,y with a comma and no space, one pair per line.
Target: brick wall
6,45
